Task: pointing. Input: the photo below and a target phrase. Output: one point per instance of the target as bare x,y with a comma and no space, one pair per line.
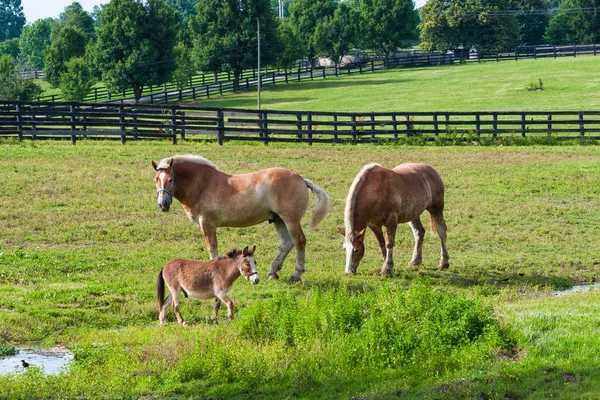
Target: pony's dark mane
233,253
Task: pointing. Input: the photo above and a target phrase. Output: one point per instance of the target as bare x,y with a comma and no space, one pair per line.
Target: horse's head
248,265
355,249
165,183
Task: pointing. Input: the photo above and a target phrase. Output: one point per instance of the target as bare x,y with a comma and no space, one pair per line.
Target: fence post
353,128
182,122
299,125
33,123
549,124
286,75
220,127
134,123
180,95
122,122
221,88
574,50
298,73
477,125
72,120
207,92
19,118
264,128
523,124
173,125
395,126
581,125
194,93
435,124
335,127
495,125
372,125
554,51
309,128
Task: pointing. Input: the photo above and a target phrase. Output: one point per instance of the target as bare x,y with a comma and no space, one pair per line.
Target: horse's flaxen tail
322,207
432,225
160,289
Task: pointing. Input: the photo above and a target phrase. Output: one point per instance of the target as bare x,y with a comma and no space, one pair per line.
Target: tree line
131,44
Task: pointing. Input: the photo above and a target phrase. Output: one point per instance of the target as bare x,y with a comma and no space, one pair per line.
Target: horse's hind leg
285,245
163,309
210,237
440,226
215,313
419,233
223,297
180,319
297,235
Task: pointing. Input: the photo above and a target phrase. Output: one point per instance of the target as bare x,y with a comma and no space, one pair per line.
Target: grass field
569,84
82,240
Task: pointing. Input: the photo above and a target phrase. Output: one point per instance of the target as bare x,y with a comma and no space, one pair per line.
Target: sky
36,9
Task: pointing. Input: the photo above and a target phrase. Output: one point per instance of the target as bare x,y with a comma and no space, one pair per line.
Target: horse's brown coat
386,197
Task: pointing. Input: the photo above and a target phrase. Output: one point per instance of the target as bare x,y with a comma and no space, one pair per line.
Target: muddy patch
578,289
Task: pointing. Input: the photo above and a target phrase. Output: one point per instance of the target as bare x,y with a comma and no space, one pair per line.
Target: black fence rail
526,52
75,121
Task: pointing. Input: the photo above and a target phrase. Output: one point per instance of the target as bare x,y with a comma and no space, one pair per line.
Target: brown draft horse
212,198
204,280
386,197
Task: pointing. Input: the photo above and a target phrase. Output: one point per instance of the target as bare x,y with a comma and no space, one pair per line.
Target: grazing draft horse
386,197
212,198
204,280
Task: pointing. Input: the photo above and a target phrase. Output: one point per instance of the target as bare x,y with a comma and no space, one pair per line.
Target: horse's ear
253,249
245,251
343,232
361,233
171,163
154,165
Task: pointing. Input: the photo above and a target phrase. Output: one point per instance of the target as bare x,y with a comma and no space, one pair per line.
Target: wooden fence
74,121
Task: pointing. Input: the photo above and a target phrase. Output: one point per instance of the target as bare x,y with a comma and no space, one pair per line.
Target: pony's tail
432,225
322,207
160,289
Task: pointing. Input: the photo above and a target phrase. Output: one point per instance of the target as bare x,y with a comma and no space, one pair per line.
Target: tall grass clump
314,339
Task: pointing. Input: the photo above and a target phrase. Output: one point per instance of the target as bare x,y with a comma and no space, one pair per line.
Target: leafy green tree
305,15
225,35
76,17
14,86
291,48
334,36
453,24
185,8
135,44
34,40
97,13
69,43
12,19
387,25
77,81
10,47
576,22
533,18
185,69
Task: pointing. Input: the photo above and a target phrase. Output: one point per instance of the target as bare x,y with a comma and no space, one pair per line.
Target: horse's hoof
444,266
414,263
386,272
295,279
184,324
273,275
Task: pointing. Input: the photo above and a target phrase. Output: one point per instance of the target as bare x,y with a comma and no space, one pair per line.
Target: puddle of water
578,289
49,361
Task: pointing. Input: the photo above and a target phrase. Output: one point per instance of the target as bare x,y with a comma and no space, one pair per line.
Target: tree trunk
216,75
137,92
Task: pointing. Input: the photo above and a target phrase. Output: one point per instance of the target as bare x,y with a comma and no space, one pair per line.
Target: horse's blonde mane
164,163
351,200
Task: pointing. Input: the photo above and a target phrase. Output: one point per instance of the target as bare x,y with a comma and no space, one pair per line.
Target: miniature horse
204,280
386,197
212,198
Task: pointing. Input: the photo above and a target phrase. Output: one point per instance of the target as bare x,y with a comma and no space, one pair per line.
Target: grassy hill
568,84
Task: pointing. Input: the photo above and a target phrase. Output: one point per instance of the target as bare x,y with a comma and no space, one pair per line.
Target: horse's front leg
210,237
380,239
223,297
390,236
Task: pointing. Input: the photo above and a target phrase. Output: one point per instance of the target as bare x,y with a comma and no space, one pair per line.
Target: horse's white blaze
349,249
161,179
254,278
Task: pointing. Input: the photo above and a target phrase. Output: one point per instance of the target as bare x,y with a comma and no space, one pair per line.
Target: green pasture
570,83
82,240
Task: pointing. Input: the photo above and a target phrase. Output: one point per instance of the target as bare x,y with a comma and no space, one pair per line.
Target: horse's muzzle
164,207
254,279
